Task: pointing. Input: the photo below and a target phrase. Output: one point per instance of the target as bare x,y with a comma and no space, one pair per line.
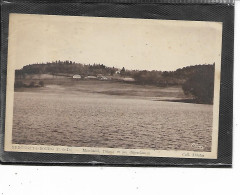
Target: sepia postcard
113,86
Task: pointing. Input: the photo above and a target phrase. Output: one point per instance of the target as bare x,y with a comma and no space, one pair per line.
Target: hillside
65,67
196,80
69,68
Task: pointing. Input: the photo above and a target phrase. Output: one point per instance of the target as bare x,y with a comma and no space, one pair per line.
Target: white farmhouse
90,77
76,76
129,79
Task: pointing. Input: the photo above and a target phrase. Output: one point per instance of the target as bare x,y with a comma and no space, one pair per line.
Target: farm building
76,76
90,77
128,79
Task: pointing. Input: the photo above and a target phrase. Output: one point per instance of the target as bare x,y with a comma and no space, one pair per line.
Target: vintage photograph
113,86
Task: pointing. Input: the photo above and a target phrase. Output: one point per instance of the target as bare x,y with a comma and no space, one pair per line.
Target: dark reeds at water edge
192,101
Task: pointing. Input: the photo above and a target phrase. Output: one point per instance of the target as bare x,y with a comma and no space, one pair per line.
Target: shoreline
116,89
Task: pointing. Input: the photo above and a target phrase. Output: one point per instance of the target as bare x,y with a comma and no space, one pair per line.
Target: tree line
196,80
65,67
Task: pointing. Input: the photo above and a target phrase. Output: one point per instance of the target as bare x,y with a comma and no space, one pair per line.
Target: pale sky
141,44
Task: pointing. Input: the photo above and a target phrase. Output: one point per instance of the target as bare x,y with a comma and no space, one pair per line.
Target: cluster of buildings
102,78
98,77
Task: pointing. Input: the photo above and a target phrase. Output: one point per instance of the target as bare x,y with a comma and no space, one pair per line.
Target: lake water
97,120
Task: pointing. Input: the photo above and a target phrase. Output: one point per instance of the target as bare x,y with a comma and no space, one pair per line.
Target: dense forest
65,67
196,80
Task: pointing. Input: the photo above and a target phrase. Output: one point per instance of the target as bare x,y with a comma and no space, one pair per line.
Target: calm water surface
96,120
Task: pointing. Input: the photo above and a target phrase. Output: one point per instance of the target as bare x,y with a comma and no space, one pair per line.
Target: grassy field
115,88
